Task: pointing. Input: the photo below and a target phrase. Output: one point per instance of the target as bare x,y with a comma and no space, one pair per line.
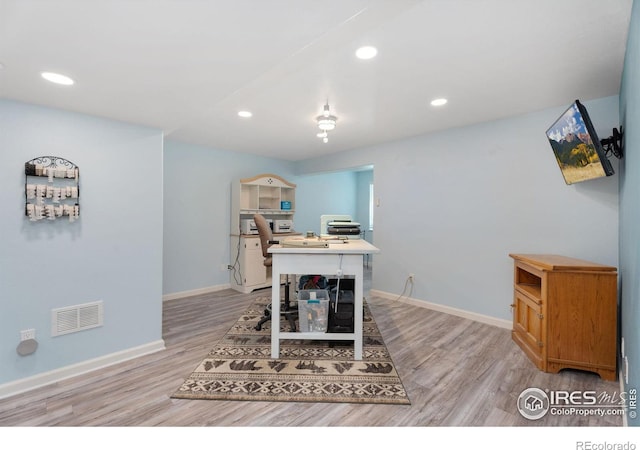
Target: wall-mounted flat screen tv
577,148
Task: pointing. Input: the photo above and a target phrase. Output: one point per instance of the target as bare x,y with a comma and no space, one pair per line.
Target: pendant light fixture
326,122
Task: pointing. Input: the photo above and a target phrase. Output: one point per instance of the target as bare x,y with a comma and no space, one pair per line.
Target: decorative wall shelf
51,189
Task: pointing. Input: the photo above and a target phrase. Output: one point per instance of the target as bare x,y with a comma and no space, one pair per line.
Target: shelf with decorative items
51,189
266,194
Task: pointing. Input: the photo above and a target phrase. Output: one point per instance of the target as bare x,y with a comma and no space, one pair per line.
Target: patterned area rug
240,367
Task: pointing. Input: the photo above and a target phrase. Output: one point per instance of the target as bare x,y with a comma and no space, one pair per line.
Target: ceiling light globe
439,102
366,52
57,78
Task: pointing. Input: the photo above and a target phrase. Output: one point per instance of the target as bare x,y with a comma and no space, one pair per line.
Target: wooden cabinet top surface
558,263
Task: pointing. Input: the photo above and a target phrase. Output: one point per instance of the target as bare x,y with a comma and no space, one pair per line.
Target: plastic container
313,310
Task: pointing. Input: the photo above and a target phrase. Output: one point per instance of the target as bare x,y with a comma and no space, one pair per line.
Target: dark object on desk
266,241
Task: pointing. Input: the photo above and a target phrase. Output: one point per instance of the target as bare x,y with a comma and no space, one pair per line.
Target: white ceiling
188,66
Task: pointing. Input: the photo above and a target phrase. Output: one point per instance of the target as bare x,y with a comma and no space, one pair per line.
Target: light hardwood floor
457,372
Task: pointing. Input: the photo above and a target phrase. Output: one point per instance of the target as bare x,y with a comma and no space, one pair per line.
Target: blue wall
197,211
112,253
630,205
327,193
454,204
197,208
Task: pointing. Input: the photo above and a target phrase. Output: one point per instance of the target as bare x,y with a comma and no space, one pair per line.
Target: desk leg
275,311
357,314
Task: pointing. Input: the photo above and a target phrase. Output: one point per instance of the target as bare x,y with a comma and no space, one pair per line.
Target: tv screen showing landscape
576,146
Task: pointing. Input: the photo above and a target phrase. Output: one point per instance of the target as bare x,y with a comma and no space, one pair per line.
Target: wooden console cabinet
565,313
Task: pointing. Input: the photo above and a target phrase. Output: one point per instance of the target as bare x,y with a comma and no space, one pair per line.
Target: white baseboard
502,323
192,292
53,376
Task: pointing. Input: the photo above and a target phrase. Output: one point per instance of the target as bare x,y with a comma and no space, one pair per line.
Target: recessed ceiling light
245,114
438,102
57,78
366,52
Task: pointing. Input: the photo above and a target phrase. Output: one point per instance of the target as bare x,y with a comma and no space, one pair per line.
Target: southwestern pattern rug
240,367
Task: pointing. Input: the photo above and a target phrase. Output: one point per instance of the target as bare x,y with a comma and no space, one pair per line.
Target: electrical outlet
411,277
25,335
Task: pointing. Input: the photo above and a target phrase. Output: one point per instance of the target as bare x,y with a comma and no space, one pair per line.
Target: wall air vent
76,318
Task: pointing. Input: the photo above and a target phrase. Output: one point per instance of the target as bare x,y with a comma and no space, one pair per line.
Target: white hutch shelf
264,194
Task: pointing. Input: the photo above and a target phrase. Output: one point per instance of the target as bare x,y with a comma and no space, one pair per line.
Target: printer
339,225
282,226
343,228
248,226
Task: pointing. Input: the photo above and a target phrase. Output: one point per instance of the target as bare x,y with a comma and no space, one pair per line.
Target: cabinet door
527,326
583,319
255,271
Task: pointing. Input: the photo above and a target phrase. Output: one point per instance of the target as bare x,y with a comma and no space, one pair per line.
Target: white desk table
338,259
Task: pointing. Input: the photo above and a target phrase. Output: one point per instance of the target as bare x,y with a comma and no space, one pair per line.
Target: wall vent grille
71,319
